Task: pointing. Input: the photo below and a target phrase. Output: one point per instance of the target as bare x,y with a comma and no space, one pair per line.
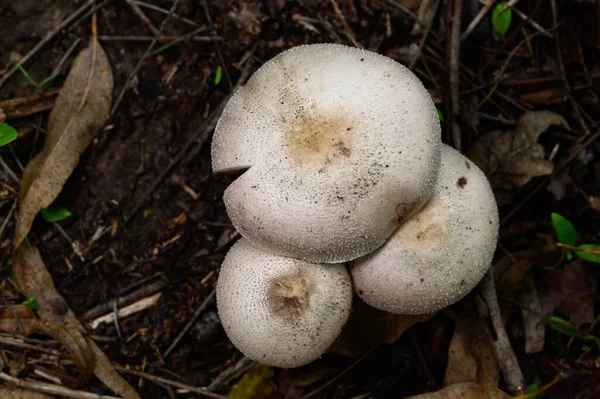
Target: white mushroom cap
441,253
342,145
280,311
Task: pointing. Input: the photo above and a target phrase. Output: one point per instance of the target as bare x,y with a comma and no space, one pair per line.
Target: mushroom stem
504,354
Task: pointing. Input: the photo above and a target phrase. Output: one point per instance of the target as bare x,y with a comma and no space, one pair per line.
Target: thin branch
51,389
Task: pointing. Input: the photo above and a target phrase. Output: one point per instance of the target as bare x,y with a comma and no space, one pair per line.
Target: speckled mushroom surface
341,145
441,253
281,311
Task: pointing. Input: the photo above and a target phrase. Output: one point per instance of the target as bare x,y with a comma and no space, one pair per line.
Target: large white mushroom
341,145
441,253
281,311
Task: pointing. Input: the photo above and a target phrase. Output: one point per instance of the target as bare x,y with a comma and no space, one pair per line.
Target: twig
217,47
477,19
105,38
24,106
44,41
141,61
347,29
424,38
135,307
160,380
9,171
504,354
7,218
454,78
229,371
163,11
124,300
140,13
52,389
190,323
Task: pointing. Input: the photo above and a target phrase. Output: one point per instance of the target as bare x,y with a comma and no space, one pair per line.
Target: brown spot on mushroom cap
315,125
462,181
281,311
441,253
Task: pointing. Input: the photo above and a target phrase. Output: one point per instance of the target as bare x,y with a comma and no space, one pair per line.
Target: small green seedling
440,115
532,388
31,303
566,235
55,214
41,84
565,327
8,134
147,212
501,19
218,74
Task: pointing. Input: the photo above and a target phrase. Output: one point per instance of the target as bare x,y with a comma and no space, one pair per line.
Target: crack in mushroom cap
440,254
281,311
340,144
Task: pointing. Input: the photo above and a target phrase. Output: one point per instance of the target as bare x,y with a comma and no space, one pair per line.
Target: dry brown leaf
510,159
533,323
20,319
80,111
383,328
464,391
6,393
34,280
471,355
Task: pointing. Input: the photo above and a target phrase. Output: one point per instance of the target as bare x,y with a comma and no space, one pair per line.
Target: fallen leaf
570,293
464,391
34,280
255,384
535,328
510,159
6,393
80,111
384,327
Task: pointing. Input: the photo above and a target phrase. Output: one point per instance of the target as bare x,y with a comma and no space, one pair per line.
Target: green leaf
55,214
147,212
218,75
595,258
565,231
31,303
532,388
558,321
7,134
501,20
440,115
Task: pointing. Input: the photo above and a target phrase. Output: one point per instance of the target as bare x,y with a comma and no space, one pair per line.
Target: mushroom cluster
345,186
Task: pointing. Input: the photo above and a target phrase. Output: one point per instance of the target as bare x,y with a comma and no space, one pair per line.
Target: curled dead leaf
510,159
383,328
80,111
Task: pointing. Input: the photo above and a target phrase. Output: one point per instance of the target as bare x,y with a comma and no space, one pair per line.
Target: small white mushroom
280,311
341,146
441,253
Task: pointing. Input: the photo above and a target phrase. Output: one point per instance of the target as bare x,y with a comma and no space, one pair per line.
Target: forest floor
147,221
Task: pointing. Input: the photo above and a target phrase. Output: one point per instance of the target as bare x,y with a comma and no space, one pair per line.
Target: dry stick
230,371
545,181
190,323
340,375
124,300
217,47
158,38
141,61
21,344
347,29
163,11
454,43
477,19
140,13
51,389
424,38
44,41
160,380
7,218
507,361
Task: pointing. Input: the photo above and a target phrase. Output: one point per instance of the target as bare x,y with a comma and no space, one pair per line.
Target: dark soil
169,223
